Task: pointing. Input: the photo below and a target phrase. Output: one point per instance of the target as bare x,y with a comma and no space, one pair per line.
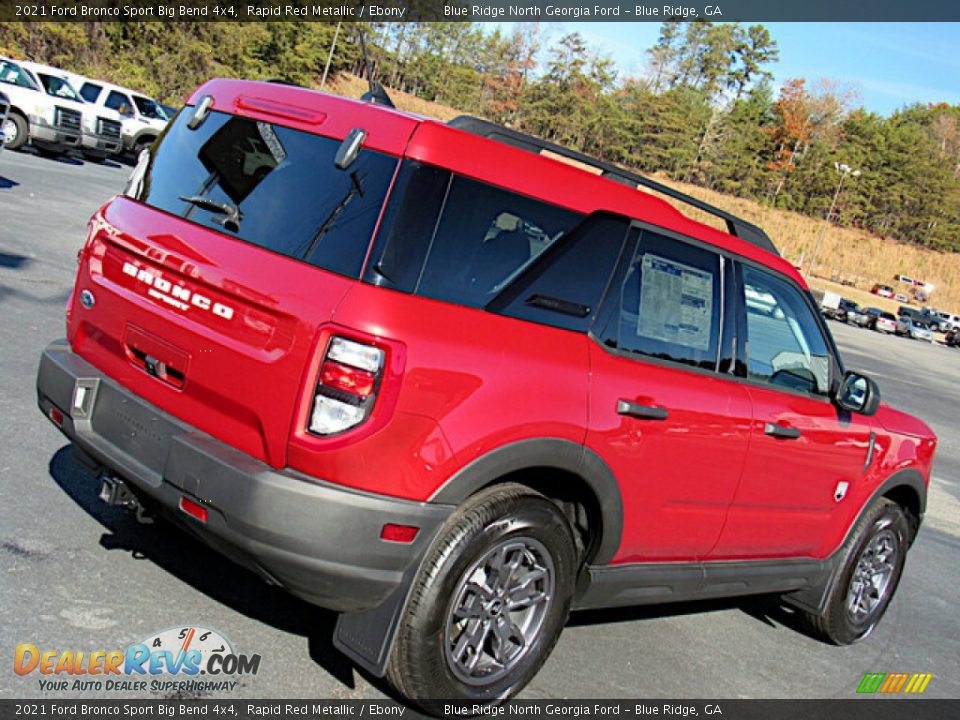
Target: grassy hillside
846,255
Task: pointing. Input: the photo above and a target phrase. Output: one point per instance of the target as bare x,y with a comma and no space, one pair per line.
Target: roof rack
736,226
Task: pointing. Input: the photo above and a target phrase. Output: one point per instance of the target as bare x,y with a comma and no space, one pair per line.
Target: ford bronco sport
441,380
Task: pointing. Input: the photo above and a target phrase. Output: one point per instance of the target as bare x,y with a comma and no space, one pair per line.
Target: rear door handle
781,431
643,412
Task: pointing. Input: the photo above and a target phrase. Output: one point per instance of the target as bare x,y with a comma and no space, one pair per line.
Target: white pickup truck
101,127
4,107
143,118
51,124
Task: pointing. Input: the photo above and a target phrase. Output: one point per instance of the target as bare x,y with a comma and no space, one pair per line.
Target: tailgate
215,331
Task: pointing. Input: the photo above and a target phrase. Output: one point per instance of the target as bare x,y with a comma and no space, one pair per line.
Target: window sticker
676,303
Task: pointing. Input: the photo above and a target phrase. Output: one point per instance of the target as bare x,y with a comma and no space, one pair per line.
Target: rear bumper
319,540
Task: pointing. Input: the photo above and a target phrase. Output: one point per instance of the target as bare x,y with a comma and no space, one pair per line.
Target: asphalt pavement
75,574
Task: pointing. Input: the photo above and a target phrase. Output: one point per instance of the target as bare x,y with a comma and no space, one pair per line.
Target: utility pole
326,70
844,170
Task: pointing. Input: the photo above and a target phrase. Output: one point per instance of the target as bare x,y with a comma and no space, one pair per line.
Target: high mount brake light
347,386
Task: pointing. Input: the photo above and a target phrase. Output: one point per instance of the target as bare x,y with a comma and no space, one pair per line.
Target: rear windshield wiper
231,215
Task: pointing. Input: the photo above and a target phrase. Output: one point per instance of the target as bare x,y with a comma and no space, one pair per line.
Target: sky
889,64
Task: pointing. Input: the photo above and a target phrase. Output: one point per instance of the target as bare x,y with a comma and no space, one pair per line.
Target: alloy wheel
498,610
870,582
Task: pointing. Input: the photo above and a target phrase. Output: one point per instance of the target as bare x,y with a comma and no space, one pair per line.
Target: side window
484,238
785,346
119,102
668,304
565,285
90,92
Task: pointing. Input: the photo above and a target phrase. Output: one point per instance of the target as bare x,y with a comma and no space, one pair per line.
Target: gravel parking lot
76,575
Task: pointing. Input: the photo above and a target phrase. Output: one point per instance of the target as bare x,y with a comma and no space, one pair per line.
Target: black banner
853,709
483,11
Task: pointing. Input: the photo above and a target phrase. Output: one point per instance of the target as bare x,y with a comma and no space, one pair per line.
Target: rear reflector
193,509
56,416
399,533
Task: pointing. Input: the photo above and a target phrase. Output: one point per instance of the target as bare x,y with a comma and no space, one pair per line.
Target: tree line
704,111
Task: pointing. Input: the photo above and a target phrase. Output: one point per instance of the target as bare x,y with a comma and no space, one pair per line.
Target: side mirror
858,393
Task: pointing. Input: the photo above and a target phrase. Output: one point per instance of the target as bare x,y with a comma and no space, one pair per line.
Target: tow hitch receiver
114,491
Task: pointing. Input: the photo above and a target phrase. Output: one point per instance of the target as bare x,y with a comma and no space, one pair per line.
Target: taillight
347,386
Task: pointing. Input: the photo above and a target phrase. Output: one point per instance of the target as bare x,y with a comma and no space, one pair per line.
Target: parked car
868,316
52,125
900,297
836,309
142,117
848,311
882,290
940,321
4,108
885,322
855,316
100,137
913,328
466,388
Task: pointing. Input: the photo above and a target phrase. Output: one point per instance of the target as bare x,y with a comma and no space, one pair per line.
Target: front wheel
873,559
489,602
15,131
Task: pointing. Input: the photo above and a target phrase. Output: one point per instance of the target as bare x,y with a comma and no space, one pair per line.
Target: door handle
781,431
643,412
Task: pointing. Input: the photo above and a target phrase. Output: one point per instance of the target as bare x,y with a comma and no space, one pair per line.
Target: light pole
326,70
844,170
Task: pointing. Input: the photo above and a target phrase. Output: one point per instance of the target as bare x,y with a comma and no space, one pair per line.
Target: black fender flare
546,453
814,599
367,637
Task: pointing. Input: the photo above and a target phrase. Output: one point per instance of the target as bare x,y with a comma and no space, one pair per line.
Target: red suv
442,380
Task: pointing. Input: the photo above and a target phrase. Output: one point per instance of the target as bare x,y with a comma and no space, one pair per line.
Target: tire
16,132
507,526
883,530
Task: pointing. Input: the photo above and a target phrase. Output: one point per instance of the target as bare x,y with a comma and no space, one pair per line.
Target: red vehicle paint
338,330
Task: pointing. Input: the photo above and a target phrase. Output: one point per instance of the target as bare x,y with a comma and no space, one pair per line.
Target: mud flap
366,637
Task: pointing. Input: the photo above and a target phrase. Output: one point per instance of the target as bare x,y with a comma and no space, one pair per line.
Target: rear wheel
873,559
15,131
489,603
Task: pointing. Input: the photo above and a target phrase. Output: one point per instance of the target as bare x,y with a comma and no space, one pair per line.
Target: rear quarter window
271,186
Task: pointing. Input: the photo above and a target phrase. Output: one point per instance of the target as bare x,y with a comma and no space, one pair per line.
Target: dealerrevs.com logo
184,653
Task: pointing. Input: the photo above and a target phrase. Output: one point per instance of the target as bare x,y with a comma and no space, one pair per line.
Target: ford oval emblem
87,299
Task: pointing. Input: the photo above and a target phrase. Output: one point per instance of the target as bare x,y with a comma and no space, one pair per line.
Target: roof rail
736,226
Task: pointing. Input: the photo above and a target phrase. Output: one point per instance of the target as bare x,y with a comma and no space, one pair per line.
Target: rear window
270,186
